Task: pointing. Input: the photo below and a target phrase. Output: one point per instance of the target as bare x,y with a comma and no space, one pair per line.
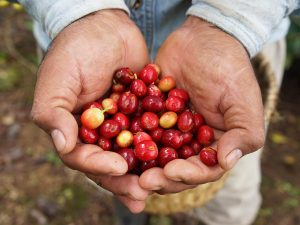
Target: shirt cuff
249,23
55,15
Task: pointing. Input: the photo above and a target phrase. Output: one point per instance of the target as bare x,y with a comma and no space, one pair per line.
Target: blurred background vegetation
37,189
293,42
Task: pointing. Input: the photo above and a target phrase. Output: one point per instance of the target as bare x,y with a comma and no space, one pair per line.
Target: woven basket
196,197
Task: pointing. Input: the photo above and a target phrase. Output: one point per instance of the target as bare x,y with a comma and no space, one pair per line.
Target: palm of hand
89,51
216,71
77,69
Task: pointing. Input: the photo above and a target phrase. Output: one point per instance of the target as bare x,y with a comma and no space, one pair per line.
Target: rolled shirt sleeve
251,22
55,15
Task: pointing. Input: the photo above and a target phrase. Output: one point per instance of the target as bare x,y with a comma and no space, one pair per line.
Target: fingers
61,125
55,97
133,205
244,120
93,160
235,143
125,186
155,180
192,171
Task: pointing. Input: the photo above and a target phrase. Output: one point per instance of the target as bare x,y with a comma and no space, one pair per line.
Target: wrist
209,32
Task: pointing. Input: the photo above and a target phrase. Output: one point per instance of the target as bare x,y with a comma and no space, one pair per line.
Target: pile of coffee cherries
147,120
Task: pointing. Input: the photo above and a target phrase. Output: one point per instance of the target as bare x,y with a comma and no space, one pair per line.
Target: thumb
237,142
60,124
55,98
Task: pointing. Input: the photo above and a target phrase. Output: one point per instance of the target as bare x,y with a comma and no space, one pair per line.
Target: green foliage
9,78
73,198
265,212
292,200
293,42
29,25
3,58
289,188
291,203
160,220
53,158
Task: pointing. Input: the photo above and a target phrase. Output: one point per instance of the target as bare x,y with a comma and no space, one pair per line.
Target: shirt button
136,4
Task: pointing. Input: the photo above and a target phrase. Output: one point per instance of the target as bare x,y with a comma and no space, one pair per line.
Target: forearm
55,15
251,22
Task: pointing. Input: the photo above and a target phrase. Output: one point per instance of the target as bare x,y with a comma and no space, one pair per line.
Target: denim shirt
251,22
157,19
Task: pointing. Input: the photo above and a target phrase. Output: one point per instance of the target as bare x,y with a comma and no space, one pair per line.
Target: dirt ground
35,188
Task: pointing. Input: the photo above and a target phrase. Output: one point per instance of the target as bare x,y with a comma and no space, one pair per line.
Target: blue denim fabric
157,19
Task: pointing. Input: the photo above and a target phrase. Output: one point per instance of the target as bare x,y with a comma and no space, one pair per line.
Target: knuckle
34,115
217,177
191,178
37,115
257,137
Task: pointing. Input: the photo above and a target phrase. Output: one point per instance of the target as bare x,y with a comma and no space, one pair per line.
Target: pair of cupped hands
212,65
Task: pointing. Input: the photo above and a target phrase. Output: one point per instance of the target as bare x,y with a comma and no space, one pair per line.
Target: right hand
77,69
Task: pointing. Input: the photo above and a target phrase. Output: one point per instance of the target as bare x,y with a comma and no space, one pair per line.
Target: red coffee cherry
156,134
153,90
198,122
139,88
187,138
136,125
208,156
185,121
180,93
185,152
92,105
153,104
89,136
141,136
205,135
196,146
148,165
156,67
123,120
127,103
130,158
146,150
149,121
105,143
175,104
172,138
118,88
124,76
148,74
166,155
109,129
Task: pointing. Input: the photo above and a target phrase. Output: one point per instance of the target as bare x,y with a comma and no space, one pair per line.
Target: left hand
216,70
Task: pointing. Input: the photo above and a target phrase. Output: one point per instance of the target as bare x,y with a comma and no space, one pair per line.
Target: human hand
216,70
78,69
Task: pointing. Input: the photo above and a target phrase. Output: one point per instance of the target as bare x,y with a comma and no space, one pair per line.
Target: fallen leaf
279,138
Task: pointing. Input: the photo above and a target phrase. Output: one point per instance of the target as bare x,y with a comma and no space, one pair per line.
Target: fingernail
116,174
156,188
233,157
58,140
176,179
